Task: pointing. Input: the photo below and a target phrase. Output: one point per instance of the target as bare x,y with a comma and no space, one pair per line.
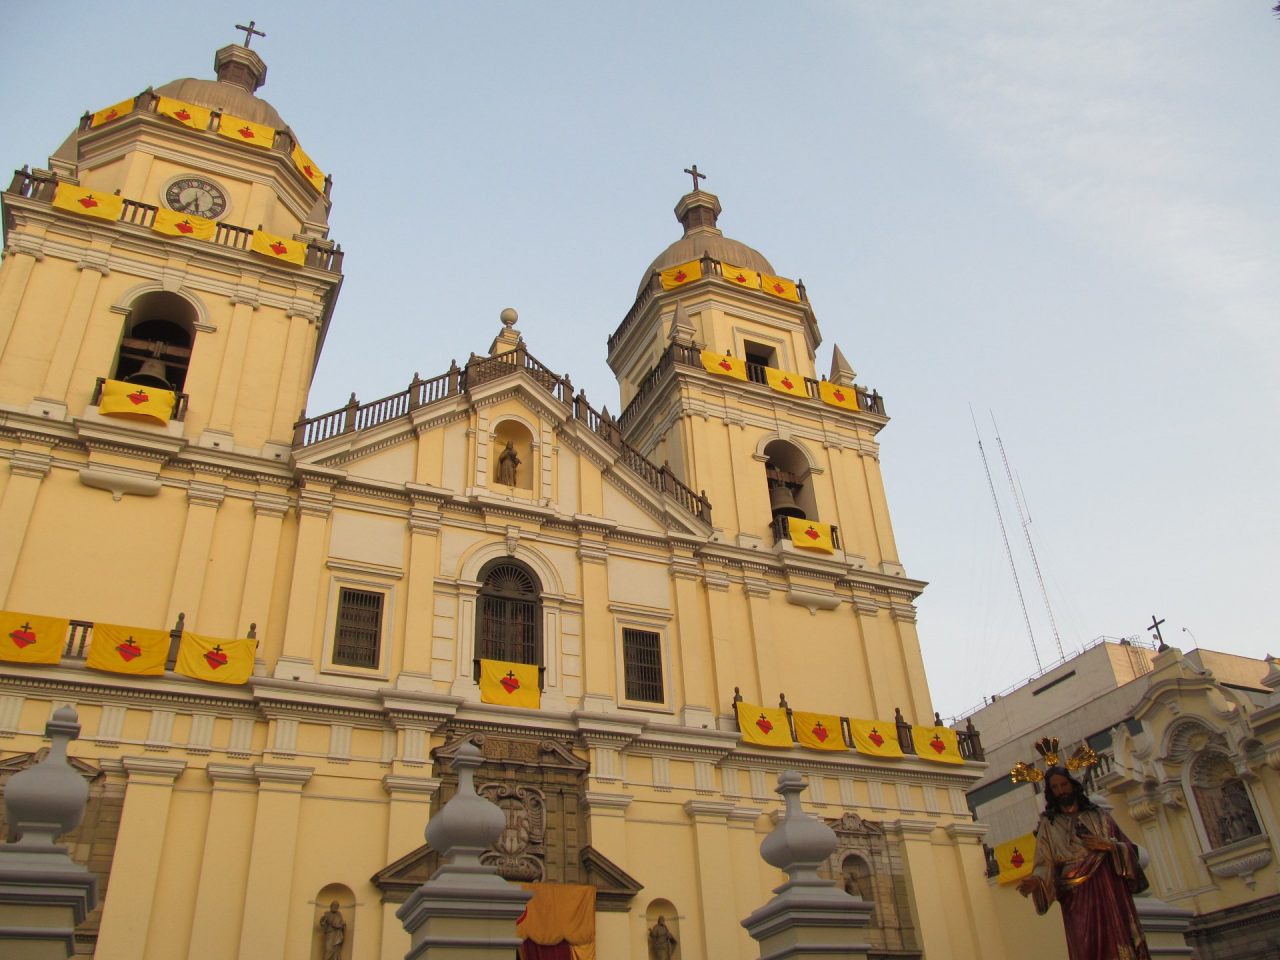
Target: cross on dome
250,32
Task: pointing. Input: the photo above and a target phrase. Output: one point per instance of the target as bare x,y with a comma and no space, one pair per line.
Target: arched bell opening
790,488
155,348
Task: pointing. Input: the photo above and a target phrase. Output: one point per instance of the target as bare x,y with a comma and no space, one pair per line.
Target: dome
225,98
697,211
240,72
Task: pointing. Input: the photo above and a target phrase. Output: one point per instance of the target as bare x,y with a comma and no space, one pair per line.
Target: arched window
1222,800
509,614
155,349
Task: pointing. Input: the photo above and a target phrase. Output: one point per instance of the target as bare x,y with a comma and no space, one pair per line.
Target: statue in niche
507,463
333,933
662,945
1237,819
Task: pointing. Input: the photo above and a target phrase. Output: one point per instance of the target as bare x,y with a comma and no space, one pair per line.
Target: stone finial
1272,679
842,371
508,337
801,842
48,799
682,329
241,66
468,824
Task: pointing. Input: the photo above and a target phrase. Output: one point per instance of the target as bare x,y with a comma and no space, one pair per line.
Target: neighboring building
378,553
1189,749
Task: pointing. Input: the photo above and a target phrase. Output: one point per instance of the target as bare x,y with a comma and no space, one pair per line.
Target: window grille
510,622
642,665
359,632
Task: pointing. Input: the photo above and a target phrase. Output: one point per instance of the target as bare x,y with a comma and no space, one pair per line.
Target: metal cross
249,32
696,176
1155,625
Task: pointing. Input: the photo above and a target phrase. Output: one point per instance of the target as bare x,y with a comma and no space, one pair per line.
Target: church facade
646,577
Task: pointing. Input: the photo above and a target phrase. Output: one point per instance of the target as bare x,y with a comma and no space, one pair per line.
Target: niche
511,456
329,939
662,945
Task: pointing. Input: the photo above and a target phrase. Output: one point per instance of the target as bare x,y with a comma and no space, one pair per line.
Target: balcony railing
869,401
969,740
456,380
782,531
35,185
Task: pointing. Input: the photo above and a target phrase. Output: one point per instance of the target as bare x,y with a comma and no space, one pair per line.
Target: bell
152,373
782,503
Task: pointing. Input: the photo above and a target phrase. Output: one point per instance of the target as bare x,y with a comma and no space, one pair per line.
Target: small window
359,631
642,665
758,357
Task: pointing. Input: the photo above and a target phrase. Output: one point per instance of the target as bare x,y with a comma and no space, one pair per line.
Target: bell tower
176,243
716,364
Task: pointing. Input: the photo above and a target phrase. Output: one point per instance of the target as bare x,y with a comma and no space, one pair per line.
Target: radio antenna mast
1008,552
1026,532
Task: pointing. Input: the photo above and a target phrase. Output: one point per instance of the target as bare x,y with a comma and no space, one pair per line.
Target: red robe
1092,886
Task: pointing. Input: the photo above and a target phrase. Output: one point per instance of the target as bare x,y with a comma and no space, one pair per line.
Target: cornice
153,767
230,773
394,784
600,800
708,811
973,831
281,775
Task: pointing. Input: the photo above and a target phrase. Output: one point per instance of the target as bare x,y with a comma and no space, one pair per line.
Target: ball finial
509,317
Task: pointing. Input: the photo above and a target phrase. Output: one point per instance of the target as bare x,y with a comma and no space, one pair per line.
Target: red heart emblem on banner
138,397
681,277
820,732
182,114
510,683
874,737
22,637
128,650
246,133
937,744
786,382
88,202
1017,859
215,657
764,725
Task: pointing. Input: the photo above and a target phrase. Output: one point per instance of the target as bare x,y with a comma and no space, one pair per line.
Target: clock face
204,198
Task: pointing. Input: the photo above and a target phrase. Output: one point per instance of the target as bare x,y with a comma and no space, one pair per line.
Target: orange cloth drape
561,912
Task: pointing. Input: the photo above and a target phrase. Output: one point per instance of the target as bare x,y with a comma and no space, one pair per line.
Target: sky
1061,218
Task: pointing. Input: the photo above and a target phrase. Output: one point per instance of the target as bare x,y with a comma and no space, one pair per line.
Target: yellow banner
1017,858
837,395
308,168
740,275
725,366
510,684
875,737
177,224
218,661
113,112
246,131
120,399
678,276
187,114
786,382
780,287
936,743
811,534
28,639
279,248
118,649
764,726
88,203
818,731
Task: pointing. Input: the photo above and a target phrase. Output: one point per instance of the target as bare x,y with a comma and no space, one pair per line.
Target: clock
204,198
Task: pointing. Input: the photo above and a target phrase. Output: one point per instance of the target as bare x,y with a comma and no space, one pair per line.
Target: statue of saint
333,933
662,945
1085,863
507,464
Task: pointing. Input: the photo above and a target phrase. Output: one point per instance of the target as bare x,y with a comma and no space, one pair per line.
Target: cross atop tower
693,172
249,32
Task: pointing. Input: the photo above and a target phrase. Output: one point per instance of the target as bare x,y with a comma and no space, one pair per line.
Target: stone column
1165,927
297,658
27,469
927,889
139,849
44,894
215,935
466,911
275,841
710,820
809,917
419,632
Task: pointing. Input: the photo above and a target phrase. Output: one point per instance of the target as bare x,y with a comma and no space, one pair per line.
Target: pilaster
28,467
135,867
271,859
927,889
297,659
710,821
203,500
215,934
424,563
269,510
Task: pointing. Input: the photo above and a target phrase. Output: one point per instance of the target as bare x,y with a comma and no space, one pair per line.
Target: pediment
851,824
399,879
515,751
22,761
